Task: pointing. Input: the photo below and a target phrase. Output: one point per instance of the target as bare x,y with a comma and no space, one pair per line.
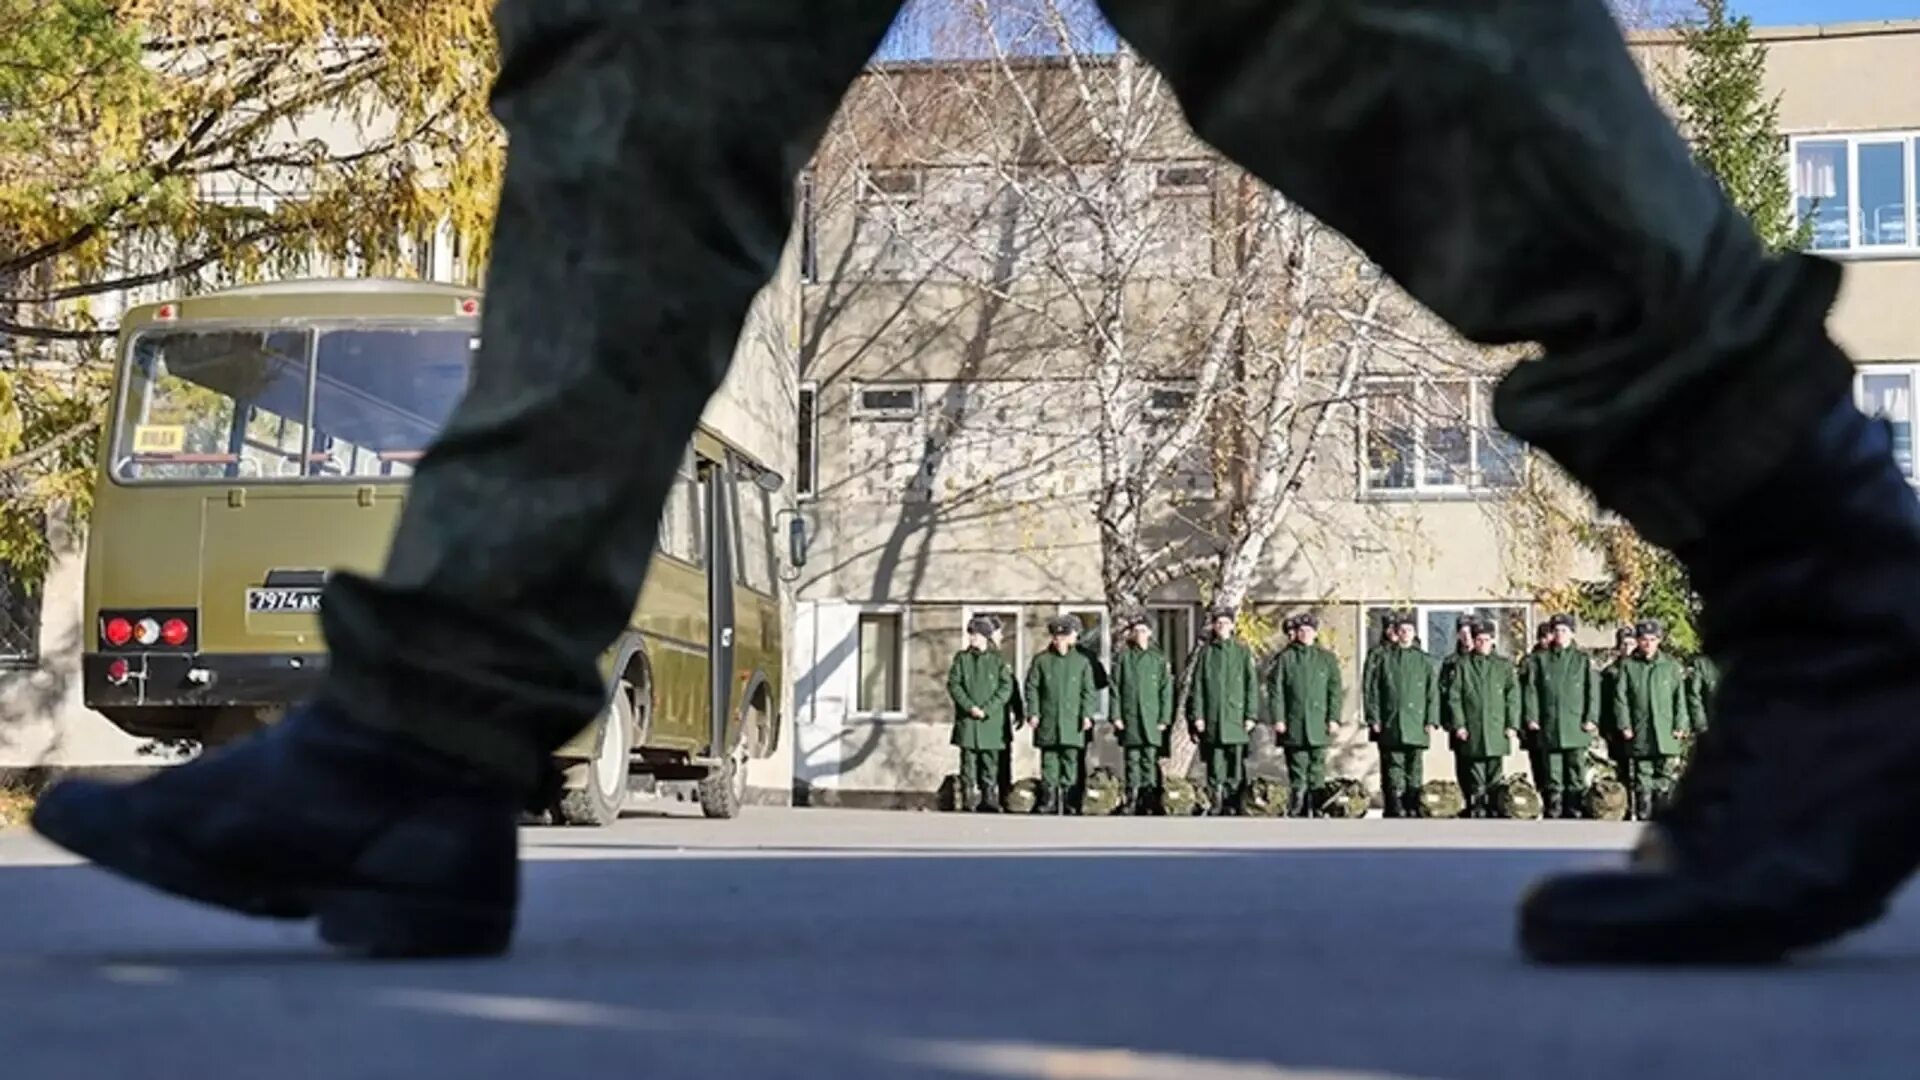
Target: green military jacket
1483,697
1562,695
984,681
1402,699
1225,694
1702,684
1304,693
1609,680
1060,695
1650,700
1142,696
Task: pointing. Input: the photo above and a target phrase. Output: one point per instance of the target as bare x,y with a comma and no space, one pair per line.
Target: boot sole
369,923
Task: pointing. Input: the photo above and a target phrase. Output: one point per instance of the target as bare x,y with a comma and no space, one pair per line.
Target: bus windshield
287,404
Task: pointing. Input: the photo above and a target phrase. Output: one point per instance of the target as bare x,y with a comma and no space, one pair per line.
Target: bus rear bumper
179,680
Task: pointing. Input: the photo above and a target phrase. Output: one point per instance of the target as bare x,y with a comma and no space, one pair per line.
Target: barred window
19,620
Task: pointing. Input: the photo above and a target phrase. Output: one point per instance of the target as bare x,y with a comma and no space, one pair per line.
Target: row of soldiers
1552,703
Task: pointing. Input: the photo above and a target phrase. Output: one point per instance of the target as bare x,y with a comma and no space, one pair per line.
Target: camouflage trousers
1501,159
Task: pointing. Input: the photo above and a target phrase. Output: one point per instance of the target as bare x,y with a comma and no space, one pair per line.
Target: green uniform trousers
1566,778
1653,774
1060,768
1477,777
1142,765
1463,146
1401,774
1227,767
1306,770
979,771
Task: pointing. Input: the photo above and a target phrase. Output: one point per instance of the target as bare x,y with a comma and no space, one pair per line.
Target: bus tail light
165,629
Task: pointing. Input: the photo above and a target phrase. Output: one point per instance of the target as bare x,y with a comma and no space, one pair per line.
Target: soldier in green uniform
1561,707
1530,740
1702,683
1010,723
1060,704
1619,751
1402,704
1481,710
1303,699
1650,706
980,681
1142,713
1222,708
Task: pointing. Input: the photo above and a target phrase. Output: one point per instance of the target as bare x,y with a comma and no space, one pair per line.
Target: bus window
207,405
382,394
755,537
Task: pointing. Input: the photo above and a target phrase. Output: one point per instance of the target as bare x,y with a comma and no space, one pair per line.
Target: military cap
1626,633
1483,628
1403,618
1307,618
1649,628
1563,619
981,625
1135,621
1222,613
1063,624
1466,622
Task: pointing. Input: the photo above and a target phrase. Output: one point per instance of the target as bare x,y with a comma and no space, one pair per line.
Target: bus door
715,478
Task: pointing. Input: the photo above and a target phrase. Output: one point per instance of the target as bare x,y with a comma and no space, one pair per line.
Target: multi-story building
952,390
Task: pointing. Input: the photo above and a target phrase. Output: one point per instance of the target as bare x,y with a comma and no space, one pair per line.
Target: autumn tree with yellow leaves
176,145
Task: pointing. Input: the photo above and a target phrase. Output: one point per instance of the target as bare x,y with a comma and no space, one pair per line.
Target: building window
808,482
883,664
886,402
1173,634
1184,180
893,185
19,621
1170,400
1437,438
808,214
1886,390
1437,623
1857,193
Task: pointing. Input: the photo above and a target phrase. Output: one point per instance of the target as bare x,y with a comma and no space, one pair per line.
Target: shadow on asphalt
1067,963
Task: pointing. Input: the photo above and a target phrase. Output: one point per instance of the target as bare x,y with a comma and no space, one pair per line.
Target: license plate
283,600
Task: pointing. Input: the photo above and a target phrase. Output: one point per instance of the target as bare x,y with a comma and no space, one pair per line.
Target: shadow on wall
33,697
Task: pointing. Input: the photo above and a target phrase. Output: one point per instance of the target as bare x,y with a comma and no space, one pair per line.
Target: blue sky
1796,12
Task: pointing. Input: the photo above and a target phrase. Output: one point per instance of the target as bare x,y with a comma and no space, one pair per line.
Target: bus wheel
724,791
597,789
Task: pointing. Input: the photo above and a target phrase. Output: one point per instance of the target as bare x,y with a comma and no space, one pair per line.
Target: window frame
902,653
31,602
1909,370
860,411
1479,422
1909,139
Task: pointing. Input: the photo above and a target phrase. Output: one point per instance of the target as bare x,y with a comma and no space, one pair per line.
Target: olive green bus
261,437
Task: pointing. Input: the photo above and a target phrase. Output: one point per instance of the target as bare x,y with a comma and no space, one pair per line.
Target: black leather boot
1047,803
1550,806
989,799
396,850
1757,856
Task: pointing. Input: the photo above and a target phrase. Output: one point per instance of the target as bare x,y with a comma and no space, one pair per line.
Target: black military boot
396,850
1550,806
965,798
1046,802
989,799
1390,803
1757,856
